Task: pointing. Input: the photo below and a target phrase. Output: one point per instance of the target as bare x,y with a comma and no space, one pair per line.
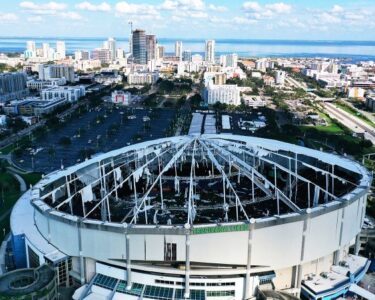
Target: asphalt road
353,123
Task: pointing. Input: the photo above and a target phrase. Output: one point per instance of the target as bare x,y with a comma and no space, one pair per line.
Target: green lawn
332,129
31,178
7,149
10,189
9,194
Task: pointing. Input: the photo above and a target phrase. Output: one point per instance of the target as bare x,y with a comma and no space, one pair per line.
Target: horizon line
188,39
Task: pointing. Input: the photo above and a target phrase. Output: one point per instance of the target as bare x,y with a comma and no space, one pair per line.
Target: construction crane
131,26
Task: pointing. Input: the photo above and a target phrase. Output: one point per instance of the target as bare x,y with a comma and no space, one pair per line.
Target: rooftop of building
206,179
25,281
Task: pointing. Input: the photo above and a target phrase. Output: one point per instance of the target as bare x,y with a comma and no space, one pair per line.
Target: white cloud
191,9
188,15
57,9
254,10
8,17
337,9
125,8
353,16
217,8
169,5
198,15
104,6
342,16
252,6
217,20
35,19
279,8
188,5
71,15
49,8
244,21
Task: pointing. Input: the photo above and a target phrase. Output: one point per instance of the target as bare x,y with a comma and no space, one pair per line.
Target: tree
17,124
65,141
195,100
53,122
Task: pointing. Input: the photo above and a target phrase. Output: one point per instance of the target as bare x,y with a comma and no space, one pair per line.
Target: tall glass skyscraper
139,47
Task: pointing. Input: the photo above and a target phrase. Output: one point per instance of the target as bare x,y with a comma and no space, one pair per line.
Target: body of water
354,50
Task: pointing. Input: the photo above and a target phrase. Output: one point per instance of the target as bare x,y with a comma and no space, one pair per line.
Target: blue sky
237,19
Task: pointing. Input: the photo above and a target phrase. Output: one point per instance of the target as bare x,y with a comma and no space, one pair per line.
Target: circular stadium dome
213,216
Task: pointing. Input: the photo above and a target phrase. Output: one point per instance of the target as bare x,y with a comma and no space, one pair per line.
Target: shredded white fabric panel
88,174
138,174
58,193
87,194
118,174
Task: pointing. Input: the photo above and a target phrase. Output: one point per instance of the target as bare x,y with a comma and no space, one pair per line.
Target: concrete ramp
361,292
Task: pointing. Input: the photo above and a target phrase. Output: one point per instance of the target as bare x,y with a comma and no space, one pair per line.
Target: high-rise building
60,50
46,52
12,86
104,55
280,77
186,55
82,55
210,51
150,47
112,48
139,47
178,49
261,64
30,49
160,52
120,53
230,60
196,58
30,46
131,43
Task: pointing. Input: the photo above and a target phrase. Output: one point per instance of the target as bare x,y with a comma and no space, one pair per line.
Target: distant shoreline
218,40
354,50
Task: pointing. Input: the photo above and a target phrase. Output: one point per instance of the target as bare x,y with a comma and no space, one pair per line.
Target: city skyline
237,19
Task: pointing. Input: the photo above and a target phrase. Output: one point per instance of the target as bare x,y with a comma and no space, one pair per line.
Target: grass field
31,178
9,194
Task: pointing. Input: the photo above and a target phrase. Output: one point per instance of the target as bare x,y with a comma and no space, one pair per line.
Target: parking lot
97,131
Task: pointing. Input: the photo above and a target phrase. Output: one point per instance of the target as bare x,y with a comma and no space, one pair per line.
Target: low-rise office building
39,85
70,93
34,106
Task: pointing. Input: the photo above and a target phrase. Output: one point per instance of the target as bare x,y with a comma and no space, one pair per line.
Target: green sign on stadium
219,229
